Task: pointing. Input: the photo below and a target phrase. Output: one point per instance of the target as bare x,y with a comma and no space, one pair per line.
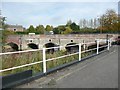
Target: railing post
97,46
110,42
44,61
79,51
108,45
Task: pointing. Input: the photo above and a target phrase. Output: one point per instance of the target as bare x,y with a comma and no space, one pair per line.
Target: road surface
97,72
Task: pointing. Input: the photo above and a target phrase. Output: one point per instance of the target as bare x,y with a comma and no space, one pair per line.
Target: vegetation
30,57
109,21
21,59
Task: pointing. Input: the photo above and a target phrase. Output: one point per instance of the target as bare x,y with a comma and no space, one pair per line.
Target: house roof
15,26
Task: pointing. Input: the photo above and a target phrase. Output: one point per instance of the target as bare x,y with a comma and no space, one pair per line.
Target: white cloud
52,13
60,0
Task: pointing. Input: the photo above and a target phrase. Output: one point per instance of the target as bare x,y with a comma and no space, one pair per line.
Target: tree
31,29
91,23
81,24
84,23
68,30
2,22
74,27
56,31
40,29
61,29
109,20
95,23
49,28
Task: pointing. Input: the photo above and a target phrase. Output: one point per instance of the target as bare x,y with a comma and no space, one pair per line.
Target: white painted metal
21,66
62,56
108,45
89,50
97,46
103,46
44,55
80,52
110,42
34,50
44,61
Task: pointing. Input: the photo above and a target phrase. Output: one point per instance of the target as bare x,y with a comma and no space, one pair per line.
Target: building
15,28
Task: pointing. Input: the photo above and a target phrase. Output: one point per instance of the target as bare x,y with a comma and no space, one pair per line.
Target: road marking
83,67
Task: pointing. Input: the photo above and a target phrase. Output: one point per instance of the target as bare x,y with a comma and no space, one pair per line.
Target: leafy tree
31,29
109,20
61,29
49,28
74,27
2,22
56,31
68,30
40,29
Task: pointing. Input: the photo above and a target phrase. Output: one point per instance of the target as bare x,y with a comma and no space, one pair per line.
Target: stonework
61,40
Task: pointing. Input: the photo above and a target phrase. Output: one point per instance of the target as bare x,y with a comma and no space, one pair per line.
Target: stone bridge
38,41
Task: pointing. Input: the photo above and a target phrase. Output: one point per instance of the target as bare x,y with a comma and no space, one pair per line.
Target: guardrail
44,60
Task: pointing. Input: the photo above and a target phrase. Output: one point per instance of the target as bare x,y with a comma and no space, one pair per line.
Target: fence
44,59
37,63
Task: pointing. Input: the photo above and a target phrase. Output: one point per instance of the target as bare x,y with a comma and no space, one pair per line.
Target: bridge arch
71,49
52,50
14,46
33,46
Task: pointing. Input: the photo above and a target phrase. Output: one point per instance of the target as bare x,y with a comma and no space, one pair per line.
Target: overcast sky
54,12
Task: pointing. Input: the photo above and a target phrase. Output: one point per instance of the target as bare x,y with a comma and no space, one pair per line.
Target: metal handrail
12,68
62,56
16,52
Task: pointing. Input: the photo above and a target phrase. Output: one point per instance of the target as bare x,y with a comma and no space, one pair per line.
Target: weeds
12,60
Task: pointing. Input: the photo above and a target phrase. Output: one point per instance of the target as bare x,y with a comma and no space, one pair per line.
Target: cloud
60,0
53,13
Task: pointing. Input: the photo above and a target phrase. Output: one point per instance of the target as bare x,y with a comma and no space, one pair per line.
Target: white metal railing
16,52
62,56
47,60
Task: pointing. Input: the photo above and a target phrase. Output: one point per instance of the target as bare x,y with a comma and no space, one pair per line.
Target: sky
53,12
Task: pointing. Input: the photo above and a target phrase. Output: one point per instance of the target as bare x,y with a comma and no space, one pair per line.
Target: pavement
97,72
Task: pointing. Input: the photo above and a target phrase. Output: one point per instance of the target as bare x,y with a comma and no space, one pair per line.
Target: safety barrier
45,60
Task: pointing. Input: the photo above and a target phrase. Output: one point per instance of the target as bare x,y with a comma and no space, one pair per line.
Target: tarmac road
98,72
